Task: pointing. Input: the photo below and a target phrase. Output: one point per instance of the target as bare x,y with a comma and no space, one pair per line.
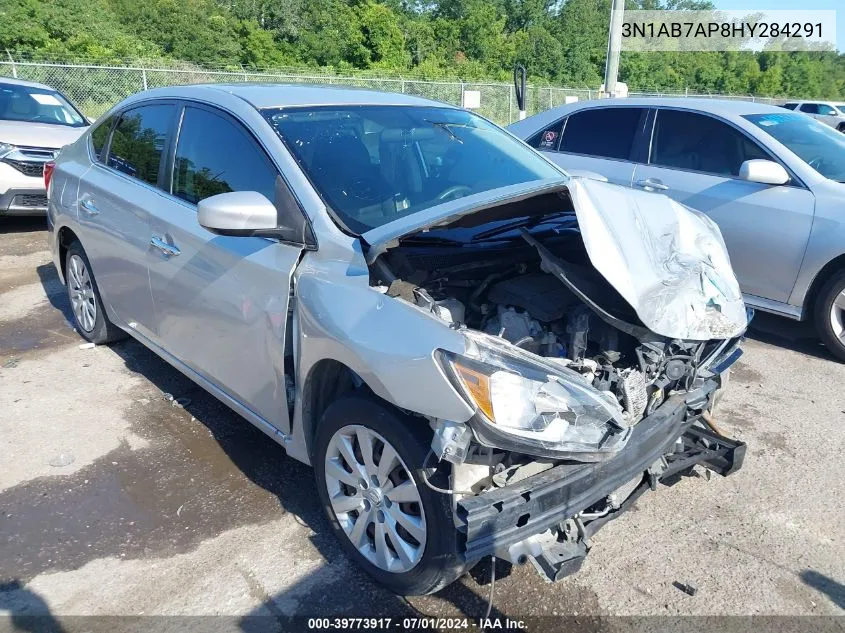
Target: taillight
48,173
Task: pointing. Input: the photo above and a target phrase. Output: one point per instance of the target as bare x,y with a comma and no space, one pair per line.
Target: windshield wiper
521,222
422,238
445,127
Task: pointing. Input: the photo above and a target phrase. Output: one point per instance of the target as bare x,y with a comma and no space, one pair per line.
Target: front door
222,302
695,159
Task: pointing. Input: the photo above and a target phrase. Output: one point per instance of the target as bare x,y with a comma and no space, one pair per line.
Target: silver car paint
336,316
779,237
670,264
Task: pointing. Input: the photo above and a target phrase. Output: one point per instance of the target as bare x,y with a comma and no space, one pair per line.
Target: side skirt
233,403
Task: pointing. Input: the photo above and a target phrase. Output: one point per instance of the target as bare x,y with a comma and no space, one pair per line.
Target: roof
811,101
721,107
22,82
716,106
285,95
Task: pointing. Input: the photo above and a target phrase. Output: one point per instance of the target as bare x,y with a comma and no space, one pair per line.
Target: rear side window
810,108
548,138
791,106
686,140
216,155
604,132
139,141
99,137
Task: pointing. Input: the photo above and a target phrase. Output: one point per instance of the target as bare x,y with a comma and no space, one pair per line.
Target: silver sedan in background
773,180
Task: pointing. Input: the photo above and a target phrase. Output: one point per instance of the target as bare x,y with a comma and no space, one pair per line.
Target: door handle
168,250
652,184
89,207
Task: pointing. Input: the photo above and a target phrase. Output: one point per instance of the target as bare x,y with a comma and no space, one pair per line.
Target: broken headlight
532,405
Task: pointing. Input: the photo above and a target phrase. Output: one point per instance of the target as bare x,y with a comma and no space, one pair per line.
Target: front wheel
368,464
830,315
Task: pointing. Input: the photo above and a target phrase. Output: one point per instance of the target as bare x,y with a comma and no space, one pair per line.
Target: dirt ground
115,501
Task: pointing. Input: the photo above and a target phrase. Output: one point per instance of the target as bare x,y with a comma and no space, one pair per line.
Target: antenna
519,76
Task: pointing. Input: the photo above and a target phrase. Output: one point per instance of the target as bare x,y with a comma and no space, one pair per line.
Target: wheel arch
64,238
827,271
327,380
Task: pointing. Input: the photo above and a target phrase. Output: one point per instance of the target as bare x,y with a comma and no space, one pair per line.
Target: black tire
103,331
440,563
822,314
841,128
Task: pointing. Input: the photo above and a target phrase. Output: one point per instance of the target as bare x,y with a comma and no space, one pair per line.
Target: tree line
561,42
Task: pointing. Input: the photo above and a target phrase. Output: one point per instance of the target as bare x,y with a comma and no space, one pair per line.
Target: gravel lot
191,511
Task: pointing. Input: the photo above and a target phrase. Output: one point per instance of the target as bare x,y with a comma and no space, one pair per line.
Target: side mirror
251,214
237,213
766,172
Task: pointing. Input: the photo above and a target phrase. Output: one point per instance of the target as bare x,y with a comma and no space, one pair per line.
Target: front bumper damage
548,518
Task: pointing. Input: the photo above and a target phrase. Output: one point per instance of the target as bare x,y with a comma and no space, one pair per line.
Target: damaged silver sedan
479,355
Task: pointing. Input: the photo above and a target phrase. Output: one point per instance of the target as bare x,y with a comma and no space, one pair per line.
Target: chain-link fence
96,88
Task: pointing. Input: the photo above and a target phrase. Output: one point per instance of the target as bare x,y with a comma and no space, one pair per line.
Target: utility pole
614,44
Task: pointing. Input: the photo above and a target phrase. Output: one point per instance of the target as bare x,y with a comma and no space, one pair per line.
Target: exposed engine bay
504,291
595,319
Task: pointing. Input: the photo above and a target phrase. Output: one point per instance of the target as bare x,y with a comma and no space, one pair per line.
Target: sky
758,5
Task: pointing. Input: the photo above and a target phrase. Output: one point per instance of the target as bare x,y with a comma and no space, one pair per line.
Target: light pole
614,44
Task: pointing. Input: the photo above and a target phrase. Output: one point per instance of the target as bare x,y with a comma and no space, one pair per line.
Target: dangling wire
445,491
492,587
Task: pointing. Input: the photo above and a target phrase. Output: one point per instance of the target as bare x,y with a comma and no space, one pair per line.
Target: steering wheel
454,192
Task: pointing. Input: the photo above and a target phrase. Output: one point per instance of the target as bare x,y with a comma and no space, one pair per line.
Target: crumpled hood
669,262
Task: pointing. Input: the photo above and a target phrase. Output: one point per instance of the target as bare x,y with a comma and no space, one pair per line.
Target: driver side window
216,155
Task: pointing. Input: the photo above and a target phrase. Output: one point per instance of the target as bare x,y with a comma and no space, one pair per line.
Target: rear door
222,302
601,140
115,199
695,159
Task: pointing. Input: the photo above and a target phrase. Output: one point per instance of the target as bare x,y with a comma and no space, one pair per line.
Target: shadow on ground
27,610
338,587
798,336
823,584
22,224
203,470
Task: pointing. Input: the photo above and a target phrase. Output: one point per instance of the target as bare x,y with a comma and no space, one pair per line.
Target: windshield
374,164
37,105
840,107
818,145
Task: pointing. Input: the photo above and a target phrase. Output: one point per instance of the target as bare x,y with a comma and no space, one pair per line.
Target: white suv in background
36,121
828,112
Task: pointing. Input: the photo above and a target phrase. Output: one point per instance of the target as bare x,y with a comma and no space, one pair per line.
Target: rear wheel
87,307
830,315
368,464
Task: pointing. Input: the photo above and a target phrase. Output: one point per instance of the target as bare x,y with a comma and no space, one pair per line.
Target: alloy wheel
81,291
837,316
375,499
